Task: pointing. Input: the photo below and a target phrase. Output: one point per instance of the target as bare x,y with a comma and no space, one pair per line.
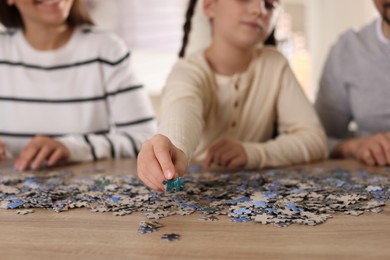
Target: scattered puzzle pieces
277,197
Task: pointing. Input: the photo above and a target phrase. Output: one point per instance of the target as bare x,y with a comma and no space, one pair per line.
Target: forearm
346,148
287,149
182,123
123,143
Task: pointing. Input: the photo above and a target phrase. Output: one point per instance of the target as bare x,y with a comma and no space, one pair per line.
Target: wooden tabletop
81,234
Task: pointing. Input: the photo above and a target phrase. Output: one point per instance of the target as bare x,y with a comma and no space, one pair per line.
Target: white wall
153,31
326,20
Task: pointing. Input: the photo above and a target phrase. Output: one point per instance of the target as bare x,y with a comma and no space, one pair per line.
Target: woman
67,91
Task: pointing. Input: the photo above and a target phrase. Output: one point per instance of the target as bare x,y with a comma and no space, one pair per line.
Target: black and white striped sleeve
130,110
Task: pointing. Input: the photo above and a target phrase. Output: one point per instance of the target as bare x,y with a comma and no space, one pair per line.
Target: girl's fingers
163,155
208,160
236,163
149,169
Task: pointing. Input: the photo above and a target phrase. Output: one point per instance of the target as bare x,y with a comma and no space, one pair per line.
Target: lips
46,2
254,25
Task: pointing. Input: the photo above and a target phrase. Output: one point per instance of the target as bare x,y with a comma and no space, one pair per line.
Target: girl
220,105
64,86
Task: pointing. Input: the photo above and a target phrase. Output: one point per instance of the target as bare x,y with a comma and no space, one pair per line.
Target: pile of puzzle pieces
278,197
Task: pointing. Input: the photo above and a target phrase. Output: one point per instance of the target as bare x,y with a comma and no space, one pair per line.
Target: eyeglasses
269,5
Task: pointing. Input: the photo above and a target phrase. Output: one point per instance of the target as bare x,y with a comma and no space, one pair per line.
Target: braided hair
271,40
187,26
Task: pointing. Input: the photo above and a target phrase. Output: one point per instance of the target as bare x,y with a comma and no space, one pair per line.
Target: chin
56,21
251,44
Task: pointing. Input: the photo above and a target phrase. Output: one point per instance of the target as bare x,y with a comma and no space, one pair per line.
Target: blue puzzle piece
114,199
173,184
270,194
15,204
242,211
260,204
242,199
242,219
169,185
292,207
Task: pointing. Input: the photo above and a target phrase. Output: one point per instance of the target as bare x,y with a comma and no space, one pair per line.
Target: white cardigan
199,108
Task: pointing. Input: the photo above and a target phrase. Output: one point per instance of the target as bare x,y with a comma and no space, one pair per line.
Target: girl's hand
228,153
160,160
40,150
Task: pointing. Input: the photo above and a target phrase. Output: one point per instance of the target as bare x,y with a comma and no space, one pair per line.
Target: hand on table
372,150
228,153
40,150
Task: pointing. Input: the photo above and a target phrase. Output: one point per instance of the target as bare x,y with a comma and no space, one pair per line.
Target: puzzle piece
177,185
24,211
148,227
170,237
209,218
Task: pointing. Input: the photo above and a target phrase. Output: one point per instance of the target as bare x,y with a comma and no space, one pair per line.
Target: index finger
164,158
25,157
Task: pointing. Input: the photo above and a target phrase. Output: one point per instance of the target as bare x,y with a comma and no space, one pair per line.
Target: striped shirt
84,94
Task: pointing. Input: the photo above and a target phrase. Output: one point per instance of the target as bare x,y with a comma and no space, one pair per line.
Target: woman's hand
40,150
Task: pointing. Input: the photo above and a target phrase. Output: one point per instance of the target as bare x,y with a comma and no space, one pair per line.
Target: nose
258,7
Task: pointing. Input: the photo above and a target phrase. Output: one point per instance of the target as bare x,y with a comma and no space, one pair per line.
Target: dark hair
187,26
271,40
10,16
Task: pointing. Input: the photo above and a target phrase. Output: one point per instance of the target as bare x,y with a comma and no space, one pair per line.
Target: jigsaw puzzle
279,197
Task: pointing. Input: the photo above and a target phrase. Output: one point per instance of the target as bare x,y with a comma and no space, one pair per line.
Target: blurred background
153,31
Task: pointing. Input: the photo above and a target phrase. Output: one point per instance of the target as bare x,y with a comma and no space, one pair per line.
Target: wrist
347,148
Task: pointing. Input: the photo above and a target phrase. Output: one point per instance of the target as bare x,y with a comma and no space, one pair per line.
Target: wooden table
80,234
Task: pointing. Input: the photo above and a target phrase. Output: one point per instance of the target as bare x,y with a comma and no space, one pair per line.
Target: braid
271,40
187,26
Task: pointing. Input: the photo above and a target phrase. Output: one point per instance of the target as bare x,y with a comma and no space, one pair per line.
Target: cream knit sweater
200,107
